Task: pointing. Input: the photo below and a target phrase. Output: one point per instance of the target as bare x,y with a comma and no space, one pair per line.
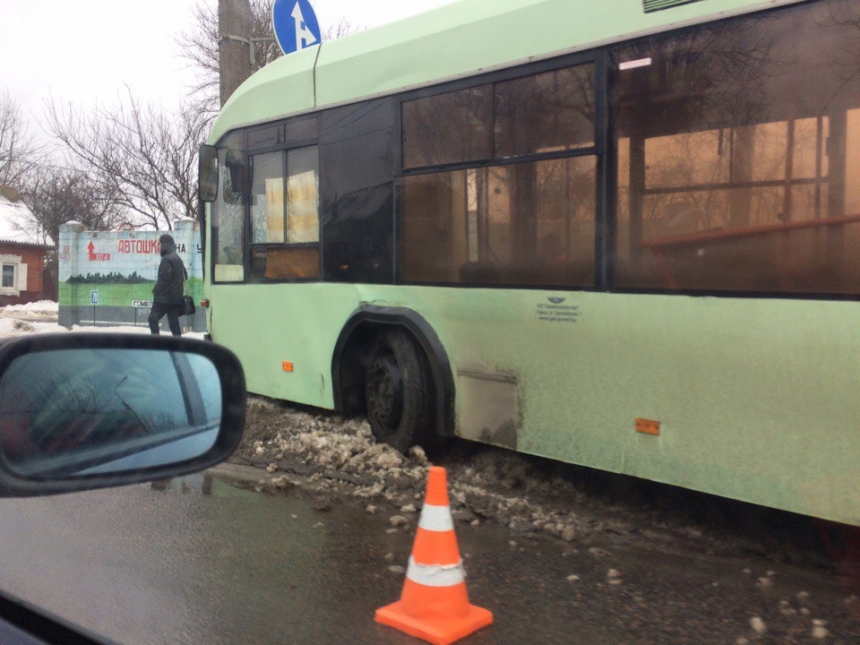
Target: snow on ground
41,318
40,309
13,327
10,327
338,457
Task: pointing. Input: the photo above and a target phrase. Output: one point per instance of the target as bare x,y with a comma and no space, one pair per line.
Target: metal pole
234,44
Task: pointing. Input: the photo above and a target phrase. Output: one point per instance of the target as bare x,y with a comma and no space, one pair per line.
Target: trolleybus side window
285,215
228,213
448,128
548,112
358,159
522,210
739,156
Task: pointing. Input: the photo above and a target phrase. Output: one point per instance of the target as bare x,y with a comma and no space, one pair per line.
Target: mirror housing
207,173
80,411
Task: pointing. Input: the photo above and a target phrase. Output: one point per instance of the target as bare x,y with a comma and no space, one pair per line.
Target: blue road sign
295,24
94,297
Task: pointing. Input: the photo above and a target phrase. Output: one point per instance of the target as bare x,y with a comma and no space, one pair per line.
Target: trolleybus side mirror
208,173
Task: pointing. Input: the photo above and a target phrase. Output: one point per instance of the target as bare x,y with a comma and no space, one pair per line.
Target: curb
237,472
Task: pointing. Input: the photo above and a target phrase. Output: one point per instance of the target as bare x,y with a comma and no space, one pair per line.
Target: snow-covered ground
337,457
41,318
41,309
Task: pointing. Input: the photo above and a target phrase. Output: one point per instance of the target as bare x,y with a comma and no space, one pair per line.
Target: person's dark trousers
157,313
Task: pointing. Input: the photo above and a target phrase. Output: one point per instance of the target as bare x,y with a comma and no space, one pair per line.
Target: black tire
399,392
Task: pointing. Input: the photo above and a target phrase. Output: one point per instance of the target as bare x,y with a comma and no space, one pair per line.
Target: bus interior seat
480,273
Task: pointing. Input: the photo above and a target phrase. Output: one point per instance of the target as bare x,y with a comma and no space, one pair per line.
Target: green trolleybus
621,234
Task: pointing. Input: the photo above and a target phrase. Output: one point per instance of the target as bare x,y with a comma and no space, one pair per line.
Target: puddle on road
203,484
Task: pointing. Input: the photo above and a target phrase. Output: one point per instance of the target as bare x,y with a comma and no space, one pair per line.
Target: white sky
87,51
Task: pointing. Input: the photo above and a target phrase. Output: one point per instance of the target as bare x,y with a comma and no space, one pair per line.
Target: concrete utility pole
234,44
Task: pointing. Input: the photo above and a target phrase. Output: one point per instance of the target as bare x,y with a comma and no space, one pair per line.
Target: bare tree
342,27
59,195
18,150
145,159
200,46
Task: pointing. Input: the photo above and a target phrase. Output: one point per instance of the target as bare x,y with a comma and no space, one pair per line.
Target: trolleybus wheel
398,391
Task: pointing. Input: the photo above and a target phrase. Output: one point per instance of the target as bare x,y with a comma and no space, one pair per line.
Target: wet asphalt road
206,562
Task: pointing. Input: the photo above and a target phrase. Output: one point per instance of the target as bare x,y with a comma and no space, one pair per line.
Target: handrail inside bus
721,234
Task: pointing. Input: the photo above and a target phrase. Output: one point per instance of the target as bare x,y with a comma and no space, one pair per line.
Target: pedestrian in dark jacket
167,292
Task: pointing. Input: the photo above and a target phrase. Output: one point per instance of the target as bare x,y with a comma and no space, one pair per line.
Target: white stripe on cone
435,575
436,518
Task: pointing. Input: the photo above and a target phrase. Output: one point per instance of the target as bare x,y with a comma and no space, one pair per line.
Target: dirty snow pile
337,456
41,318
16,320
13,327
43,309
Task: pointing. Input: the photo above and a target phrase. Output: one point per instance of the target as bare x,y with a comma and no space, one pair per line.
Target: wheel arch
356,336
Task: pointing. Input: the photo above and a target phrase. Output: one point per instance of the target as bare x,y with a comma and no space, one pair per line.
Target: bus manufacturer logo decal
556,311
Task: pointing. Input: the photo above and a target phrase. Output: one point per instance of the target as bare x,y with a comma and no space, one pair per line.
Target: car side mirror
91,410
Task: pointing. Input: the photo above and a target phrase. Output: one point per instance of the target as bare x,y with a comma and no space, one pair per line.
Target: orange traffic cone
434,605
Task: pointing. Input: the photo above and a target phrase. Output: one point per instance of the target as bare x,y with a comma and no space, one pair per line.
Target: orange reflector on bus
287,365
204,303
647,426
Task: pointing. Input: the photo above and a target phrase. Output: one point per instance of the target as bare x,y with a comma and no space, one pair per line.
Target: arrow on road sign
295,24
304,36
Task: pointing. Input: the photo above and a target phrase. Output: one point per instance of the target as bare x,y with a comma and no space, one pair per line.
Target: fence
106,277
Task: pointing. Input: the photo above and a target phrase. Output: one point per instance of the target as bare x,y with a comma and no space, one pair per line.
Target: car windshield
548,311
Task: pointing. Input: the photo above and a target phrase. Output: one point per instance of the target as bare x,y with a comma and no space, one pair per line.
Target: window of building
13,276
739,155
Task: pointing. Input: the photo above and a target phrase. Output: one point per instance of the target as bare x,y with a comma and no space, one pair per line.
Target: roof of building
17,224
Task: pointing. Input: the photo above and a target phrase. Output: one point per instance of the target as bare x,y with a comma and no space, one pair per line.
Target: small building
23,277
